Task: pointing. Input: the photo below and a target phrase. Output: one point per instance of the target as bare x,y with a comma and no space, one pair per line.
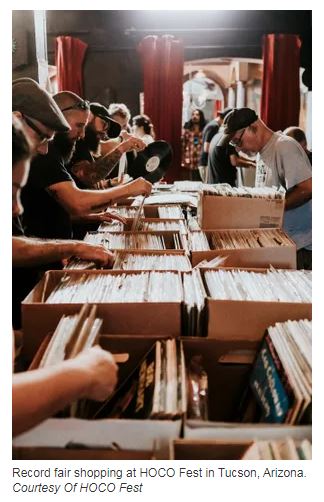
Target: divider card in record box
242,303
221,206
128,302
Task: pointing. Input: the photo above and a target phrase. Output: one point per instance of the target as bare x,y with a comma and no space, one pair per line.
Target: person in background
290,169
121,114
192,141
209,131
298,134
38,394
223,160
143,128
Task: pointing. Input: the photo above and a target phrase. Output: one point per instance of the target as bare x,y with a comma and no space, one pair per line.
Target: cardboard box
190,449
46,453
152,210
40,318
167,235
149,211
157,253
198,430
106,227
65,438
117,439
248,320
228,365
239,212
277,256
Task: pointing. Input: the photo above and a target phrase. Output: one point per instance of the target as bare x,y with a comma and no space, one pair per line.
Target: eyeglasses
237,141
44,138
81,105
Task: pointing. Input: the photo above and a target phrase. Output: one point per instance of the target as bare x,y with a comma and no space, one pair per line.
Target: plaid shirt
191,149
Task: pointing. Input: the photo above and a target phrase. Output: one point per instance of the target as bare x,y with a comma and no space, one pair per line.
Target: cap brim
225,139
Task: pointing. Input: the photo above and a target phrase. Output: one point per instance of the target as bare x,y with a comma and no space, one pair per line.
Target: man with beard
51,197
191,144
100,150
37,114
290,168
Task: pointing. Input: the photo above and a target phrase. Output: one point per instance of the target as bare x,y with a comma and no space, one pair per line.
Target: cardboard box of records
247,319
247,248
167,211
171,240
221,211
273,443
151,312
274,414
208,382
152,260
94,436
145,225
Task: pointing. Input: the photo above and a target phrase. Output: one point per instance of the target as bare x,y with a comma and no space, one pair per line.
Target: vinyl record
151,163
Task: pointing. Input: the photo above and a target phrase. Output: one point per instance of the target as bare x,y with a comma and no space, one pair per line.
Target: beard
91,139
65,145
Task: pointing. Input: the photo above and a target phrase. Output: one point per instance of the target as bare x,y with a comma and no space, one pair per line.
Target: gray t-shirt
290,166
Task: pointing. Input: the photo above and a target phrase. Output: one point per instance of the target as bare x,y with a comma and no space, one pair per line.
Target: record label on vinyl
152,163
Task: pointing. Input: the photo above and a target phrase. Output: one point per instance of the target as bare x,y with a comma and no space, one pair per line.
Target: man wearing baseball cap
51,197
209,131
39,114
223,160
290,168
88,166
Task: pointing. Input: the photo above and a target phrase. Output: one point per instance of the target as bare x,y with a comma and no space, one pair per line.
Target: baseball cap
101,111
30,99
237,119
225,112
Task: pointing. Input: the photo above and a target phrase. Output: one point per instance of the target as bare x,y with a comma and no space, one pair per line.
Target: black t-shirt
81,152
209,132
220,169
43,216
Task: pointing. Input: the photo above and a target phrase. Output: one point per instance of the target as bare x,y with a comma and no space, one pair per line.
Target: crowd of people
56,164
68,156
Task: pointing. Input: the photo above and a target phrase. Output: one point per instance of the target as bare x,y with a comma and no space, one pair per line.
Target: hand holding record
138,187
132,143
153,162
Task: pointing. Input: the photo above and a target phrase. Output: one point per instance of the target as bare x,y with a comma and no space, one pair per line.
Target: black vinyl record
151,163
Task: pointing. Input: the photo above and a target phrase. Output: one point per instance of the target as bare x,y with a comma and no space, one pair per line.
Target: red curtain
280,100
69,56
162,59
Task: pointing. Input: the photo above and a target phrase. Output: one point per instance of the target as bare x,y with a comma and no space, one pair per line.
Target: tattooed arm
92,172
